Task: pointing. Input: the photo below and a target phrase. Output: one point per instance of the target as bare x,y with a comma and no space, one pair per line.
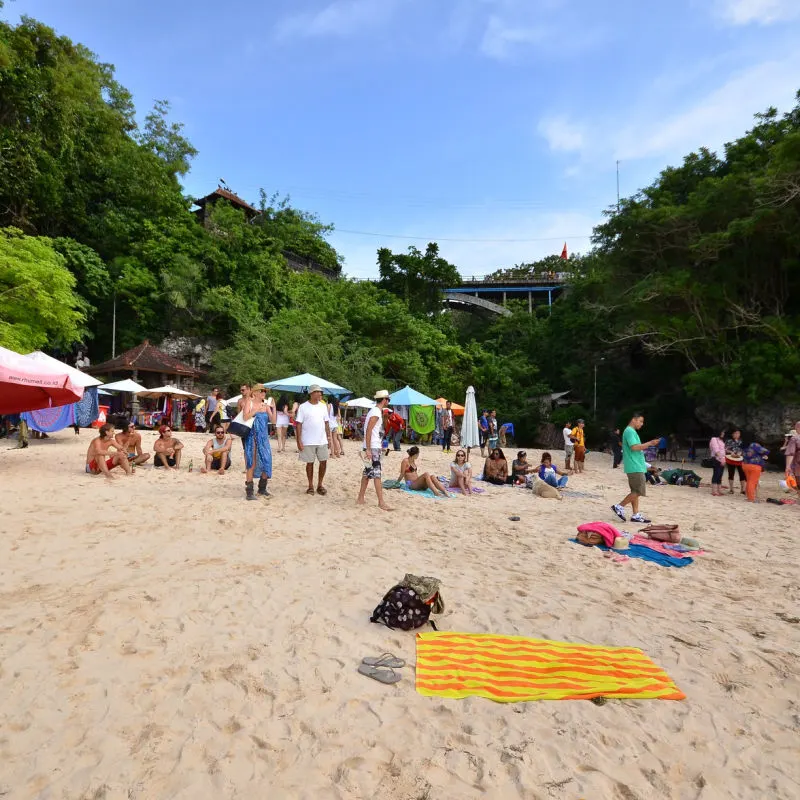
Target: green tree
38,304
418,278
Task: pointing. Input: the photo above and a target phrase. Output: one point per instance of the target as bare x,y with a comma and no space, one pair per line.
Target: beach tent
172,391
300,383
410,397
359,402
124,386
26,384
457,410
469,426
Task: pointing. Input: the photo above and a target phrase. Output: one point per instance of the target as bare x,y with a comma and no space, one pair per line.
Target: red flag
564,251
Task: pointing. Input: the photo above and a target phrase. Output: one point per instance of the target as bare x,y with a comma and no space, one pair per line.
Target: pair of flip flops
382,668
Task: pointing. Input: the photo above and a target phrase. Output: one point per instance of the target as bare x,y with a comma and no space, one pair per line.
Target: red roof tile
147,358
226,195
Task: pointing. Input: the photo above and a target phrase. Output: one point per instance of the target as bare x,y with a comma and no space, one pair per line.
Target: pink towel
608,532
661,547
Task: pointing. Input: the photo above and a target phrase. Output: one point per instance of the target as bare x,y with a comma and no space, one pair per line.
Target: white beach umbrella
469,424
173,391
359,402
124,386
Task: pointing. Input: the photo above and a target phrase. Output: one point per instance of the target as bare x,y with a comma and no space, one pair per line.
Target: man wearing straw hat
373,430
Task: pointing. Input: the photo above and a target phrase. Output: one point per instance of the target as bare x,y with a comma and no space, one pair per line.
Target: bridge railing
543,278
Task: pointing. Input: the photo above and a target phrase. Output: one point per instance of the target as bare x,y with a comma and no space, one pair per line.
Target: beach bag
709,463
241,426
662,533
410,603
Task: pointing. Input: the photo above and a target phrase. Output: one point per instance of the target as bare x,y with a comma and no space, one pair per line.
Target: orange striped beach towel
510,669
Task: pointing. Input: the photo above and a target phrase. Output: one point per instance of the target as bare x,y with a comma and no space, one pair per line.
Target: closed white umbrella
469,425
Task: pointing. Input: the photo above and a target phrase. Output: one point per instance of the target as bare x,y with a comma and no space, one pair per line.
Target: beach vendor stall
417,408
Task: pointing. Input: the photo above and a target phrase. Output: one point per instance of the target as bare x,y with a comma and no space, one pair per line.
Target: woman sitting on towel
520,468
495,468
461,474
410,475
550,473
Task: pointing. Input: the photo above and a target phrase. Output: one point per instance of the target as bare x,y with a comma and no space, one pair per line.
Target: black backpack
409,604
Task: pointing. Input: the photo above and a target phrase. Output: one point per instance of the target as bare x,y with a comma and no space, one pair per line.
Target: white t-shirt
377,432
567,433
313,416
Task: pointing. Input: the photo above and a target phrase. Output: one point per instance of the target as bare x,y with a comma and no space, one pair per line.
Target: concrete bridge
492,294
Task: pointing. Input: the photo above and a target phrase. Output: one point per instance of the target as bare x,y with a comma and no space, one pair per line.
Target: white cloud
761,12
501,39
561,134
722,115
339,18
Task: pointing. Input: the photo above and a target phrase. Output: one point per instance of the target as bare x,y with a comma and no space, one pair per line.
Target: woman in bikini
461,474
409,473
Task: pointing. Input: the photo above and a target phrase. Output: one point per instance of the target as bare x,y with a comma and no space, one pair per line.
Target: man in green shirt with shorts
635,468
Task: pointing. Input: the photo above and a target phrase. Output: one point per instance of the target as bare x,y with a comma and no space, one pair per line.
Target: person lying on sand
99,461
168,450
410,475
217,451
130,440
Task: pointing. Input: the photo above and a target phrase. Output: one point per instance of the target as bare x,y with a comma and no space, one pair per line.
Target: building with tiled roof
222,194
148,365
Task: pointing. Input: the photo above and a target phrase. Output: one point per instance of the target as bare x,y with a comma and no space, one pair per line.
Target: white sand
162,638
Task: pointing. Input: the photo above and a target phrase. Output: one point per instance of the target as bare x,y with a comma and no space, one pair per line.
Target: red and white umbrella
26,385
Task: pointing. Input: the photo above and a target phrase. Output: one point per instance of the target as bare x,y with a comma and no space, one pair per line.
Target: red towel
608,532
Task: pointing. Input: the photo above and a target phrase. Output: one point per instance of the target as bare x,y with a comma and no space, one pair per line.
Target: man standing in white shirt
313,432
447,427
569,446
373,431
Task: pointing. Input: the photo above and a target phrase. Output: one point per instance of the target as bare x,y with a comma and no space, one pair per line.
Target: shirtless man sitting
99,461
131,442
217,451
168,450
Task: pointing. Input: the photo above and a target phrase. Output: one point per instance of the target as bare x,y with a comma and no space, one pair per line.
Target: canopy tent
469,426
458,411
27,384
173,391
359,402
124,386
78,378
300,383
410,397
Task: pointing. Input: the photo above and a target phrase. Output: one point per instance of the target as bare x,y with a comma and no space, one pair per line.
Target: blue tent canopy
410,397
300,383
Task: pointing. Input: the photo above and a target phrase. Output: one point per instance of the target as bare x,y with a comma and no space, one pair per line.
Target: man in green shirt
635,468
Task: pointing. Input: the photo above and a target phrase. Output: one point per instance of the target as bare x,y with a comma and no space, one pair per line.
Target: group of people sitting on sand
124,450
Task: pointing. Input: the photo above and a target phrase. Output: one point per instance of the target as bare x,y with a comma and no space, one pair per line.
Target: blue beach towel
646,554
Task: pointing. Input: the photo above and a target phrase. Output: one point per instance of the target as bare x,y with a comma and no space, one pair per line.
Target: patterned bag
409,604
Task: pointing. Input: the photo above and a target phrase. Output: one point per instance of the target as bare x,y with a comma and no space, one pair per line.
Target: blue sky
495,124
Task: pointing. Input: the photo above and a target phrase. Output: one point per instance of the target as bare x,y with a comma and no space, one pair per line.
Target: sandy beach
162,638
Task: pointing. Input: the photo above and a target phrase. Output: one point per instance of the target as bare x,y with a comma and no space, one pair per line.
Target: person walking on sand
716,448
282,422
257,450
131,442
168,449
791,451
373,435
448,424
569,445
734,451
313,431
616,447
754,463
635,468
577,436
335,422
99,461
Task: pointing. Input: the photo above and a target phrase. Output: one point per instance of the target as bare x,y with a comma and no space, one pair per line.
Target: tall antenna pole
617,187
